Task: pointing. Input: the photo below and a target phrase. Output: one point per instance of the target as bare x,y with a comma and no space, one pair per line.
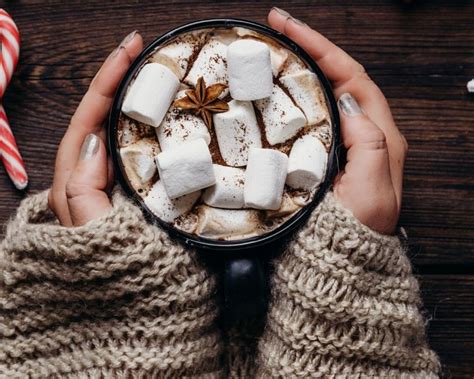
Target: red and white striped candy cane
10,51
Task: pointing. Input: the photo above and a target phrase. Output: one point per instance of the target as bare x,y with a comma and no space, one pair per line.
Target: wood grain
420,55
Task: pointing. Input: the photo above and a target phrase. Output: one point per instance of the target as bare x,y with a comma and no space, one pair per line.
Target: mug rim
193,240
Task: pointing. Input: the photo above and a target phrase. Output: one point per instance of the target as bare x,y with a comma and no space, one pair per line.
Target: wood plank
420,55
449,307
422,67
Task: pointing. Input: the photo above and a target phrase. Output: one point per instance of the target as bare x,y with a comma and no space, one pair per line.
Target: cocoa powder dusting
214,148
261,126
265,224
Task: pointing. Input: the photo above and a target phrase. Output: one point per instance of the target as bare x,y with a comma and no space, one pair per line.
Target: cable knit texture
114,298
345,303
117,298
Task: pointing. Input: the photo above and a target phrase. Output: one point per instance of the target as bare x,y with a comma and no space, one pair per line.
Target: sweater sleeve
344,301
113,298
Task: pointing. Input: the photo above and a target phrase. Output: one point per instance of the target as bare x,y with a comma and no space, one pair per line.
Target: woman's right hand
370,185
82,173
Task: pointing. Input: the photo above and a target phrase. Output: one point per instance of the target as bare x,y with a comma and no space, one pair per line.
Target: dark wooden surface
421,55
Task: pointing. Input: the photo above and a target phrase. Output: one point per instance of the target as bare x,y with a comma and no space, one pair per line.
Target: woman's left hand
82,172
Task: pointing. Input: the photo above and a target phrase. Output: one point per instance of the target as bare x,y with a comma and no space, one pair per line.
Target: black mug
242,264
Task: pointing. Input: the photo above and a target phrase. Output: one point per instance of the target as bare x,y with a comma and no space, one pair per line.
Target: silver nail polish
114,53
298,22
128,38
349,106
281,11
89,147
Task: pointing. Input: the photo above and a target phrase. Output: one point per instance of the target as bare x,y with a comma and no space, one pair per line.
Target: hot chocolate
224,133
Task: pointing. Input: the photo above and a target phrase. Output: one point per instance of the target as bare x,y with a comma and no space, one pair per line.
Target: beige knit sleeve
113,298
344,302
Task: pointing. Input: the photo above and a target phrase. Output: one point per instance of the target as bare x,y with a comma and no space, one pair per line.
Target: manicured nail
281,11
298,22
128,38
89,147
349,106
124,43
116,52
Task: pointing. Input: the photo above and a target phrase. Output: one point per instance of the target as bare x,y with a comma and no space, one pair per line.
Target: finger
85,189
89,117
337,65
349,76
365,187
95,104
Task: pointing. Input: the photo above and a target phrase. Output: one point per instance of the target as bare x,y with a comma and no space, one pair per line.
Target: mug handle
245,289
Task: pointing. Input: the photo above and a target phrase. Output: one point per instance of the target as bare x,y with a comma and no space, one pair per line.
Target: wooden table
421,55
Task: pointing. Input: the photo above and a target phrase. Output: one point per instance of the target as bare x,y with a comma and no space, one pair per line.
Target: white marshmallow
307,163
228,192
265,178
278,54
226,223
470,86
165,208
180,126
139,163
249,70
186,168
131,131
281,117
292,65
211,64
305,89
287,208
151,94
324,133
237,131
176,54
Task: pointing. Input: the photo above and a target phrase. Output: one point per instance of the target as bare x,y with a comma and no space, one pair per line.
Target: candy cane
10,51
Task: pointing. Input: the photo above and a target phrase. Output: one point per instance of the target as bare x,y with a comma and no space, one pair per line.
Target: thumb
365,186
85,189
367,153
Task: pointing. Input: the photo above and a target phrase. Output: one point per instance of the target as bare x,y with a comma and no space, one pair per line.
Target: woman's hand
82,171
370,185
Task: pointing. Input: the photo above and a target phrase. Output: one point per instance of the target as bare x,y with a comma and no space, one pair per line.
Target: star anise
203,101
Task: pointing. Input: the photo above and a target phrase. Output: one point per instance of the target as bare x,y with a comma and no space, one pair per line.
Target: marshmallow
177,53
470,86
307,163
305,89
237,131
265,178
151,94
211,64
225,223
249,69
165,208
228,192
180,126
186,168
287,208
282,119
139,163
278,54
292,65
131,131
323,132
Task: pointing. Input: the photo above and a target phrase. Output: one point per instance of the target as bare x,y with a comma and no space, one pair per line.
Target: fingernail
124,43
298,22
349,106
128,38
281,11
89,147
117,51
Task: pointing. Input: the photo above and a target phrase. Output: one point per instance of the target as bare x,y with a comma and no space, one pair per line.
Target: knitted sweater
117,298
